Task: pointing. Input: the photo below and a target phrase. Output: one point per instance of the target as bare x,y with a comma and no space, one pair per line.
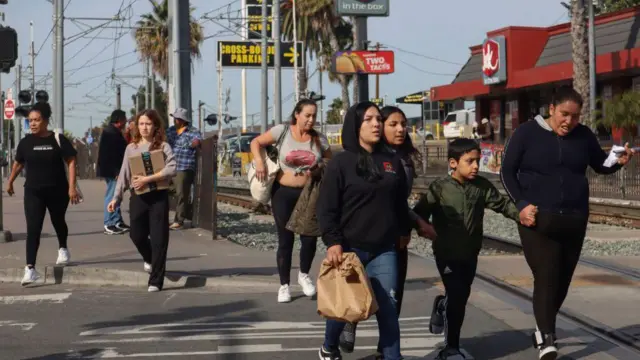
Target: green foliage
621,112
333,115
69,135
161,102
608,6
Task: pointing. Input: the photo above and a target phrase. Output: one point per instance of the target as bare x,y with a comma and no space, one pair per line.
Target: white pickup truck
459,124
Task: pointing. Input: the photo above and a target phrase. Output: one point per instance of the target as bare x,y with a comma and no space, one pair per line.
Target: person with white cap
184,140
488,133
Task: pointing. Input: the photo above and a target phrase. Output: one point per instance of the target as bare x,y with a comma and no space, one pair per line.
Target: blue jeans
382,271
114,218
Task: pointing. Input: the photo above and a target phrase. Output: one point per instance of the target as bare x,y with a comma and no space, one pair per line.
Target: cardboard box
145,164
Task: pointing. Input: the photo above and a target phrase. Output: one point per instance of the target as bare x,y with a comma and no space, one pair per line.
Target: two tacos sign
363,62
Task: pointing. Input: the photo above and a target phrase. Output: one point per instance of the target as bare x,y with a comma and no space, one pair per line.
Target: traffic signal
316,97
24,98
9,48
228,118
211,119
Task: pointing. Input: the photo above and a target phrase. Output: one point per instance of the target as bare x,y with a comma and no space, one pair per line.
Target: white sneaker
153,289
147,267
307,284
30,276
284,295
63,256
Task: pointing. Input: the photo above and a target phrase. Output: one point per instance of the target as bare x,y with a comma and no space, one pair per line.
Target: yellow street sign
291,55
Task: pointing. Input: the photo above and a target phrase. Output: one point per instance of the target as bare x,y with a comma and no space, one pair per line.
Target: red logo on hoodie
388,167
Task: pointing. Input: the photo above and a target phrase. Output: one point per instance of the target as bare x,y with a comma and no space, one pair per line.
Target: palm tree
323,34
580,53
152,37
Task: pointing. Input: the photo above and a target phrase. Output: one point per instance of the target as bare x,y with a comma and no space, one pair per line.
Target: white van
459,123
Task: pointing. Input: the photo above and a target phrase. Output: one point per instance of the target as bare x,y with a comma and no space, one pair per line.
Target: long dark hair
353,119
315,137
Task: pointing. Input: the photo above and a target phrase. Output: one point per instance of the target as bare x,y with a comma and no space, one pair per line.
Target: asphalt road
55,322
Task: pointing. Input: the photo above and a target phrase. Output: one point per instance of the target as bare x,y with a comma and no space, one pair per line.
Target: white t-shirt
294,155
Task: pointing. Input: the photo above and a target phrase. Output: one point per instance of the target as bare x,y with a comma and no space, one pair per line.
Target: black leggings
149,216
36,204
457,277
403,262
552,250
283,201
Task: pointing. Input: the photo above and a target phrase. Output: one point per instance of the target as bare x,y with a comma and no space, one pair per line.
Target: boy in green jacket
456,203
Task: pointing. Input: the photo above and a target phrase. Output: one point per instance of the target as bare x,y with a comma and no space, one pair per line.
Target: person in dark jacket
544,166
395,140
363,209
110,156
457,204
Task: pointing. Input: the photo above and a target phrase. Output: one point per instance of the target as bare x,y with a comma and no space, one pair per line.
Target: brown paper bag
345,293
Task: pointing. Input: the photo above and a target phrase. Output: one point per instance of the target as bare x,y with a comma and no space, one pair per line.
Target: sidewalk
194,260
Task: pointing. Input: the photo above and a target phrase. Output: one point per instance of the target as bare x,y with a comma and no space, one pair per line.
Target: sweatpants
283,201
457,277
552,250
36,204
149,216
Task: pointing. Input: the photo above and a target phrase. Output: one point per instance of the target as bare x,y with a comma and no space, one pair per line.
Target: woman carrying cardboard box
150,159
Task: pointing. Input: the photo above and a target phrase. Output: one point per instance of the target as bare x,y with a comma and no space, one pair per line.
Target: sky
430,38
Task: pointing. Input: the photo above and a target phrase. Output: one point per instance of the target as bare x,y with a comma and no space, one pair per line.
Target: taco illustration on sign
349,63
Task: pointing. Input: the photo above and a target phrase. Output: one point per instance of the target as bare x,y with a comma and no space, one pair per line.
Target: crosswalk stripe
53,298
416,346
24,325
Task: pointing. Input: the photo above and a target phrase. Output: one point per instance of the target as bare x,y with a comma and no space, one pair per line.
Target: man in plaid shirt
184,140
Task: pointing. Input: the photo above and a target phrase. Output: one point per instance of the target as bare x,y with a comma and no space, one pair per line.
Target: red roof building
513,73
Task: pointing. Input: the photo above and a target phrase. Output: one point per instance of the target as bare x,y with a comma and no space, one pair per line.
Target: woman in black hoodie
543,170
363,209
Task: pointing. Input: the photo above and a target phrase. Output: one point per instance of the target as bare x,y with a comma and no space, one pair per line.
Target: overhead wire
50,32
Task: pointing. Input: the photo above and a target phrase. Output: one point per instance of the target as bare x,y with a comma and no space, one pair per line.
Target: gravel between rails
258,231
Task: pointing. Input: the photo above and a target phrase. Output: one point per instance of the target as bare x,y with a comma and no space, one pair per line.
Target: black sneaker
123,227
436,322
348,338
449,353
112,230
546,345
329,355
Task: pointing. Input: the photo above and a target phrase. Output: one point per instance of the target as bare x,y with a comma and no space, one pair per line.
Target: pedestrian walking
47,185
184,140
112,145
395,140
457,203
363,209
301,151
544,166
149,212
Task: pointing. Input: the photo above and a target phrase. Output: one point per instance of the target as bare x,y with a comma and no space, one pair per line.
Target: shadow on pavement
84,354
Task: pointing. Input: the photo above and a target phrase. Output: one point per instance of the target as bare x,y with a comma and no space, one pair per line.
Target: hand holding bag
261,191
66,170
345,293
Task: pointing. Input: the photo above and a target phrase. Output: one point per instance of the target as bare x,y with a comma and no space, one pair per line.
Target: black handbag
273,151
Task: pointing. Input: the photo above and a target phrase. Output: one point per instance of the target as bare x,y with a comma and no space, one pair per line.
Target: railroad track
241,197
600,330
599,212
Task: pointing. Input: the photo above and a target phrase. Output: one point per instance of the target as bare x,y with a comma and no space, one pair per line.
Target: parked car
459,124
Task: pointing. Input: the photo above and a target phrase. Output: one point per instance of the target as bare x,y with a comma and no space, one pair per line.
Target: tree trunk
344,81
303,80
580,53
356,41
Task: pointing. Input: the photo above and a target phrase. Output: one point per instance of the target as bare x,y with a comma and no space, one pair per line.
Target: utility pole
265,70
363,79
322,125
243,71
119,98
277,66
17,123
200,121
592,64
296,80
220,83
153,86
378,76
32,54
58,74
181,54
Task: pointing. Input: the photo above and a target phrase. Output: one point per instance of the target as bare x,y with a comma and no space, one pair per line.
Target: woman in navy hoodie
363,209
544,167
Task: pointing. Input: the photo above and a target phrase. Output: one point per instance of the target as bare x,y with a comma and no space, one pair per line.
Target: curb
72,275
